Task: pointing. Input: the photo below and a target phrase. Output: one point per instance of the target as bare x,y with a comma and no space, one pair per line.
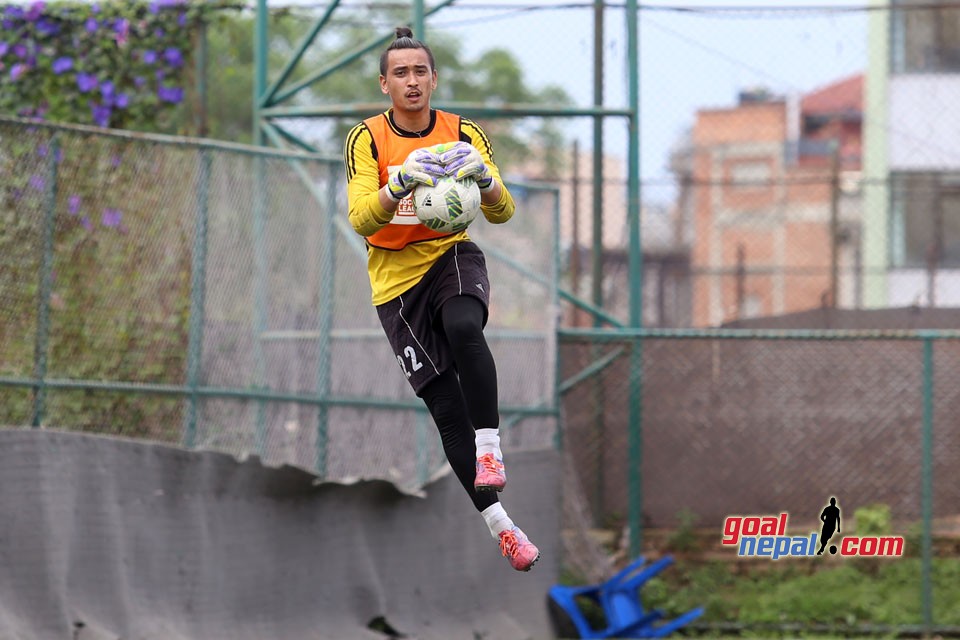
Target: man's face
409,80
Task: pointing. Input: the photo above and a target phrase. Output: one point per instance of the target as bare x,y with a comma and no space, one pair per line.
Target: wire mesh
215,297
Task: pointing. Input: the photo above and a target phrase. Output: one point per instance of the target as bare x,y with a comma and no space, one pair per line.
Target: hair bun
404,32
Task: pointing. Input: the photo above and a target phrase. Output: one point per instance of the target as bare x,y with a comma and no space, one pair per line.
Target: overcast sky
688,59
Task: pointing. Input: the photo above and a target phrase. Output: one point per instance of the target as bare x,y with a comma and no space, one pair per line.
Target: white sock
488,441
497,519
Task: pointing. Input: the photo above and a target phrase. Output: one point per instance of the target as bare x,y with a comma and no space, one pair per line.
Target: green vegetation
807,592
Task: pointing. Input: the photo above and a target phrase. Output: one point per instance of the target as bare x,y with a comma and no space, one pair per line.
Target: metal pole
554,348
259,67
419,27
926,474
635,436
326,298
597,270
835,226
266,97
260,277
260,49
197,299
200,113
575,241
45,289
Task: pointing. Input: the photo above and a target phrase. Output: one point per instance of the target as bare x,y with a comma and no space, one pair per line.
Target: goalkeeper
430,288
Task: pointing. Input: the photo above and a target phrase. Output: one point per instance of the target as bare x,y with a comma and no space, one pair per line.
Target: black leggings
458,409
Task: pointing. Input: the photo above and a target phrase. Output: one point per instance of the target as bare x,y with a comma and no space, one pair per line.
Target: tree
494,76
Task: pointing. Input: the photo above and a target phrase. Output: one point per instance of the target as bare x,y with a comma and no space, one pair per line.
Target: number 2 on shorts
415,364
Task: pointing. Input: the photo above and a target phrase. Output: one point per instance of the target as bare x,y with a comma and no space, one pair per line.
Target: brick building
770,192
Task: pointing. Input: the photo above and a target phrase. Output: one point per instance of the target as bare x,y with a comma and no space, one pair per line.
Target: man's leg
462,320
446,403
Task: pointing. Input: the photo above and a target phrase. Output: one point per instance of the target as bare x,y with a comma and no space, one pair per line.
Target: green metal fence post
555,307
926,494
261,52
45,290
419,25
326,299
260,277
198,279
635,442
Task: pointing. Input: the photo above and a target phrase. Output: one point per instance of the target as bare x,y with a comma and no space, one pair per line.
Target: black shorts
412,319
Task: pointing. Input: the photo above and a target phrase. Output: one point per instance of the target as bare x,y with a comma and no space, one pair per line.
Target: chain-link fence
215,296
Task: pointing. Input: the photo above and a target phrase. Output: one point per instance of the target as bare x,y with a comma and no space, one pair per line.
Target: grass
847,593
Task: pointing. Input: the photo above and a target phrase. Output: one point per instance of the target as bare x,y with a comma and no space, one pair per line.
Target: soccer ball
448,207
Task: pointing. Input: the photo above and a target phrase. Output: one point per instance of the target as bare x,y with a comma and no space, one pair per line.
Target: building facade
769,189
911,241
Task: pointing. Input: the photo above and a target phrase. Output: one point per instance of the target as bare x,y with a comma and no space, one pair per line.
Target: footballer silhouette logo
830,517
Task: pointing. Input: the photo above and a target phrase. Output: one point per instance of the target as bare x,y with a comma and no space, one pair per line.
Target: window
925,220
750,174
926,38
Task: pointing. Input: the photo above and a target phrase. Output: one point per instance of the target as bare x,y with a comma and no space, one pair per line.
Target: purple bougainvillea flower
35,11
182,19
85,222
95,8
164,4
173,56
122,101
7,24
173,95
91,25
13,11
139,81
73,204
159,33
149,56
61,65
4,47
159,74
121,30
20,50
106,89
101,114
86,82
111,218
37,183
42,150
47,27
17,70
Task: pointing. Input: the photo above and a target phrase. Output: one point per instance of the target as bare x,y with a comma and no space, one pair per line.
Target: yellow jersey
400,249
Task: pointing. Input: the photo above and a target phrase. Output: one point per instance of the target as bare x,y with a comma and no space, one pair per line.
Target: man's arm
370,207
497,203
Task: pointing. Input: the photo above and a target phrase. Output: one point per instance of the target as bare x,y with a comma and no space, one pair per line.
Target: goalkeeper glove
422,166
462,160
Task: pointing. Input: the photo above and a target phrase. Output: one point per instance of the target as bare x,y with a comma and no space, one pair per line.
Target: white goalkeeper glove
462,160
422,166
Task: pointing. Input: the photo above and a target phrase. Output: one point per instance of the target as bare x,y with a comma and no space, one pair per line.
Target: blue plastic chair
619,599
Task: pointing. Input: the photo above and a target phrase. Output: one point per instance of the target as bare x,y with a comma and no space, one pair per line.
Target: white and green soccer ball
448,207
